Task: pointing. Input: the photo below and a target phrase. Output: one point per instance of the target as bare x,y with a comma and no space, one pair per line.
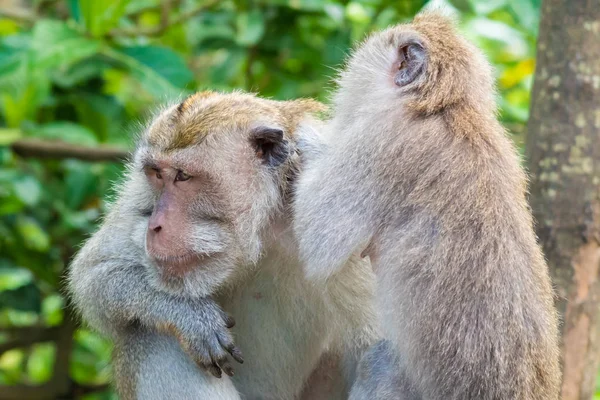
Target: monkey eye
181,176
158,174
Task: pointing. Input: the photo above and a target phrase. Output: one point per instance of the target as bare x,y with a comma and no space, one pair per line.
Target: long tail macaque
204,211
424,180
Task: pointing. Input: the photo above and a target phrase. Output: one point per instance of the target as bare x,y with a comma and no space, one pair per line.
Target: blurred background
77,77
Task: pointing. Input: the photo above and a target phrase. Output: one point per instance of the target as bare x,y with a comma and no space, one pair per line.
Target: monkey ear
270,145
410,63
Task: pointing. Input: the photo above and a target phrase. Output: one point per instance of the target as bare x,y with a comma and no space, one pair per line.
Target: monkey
201,231
414,171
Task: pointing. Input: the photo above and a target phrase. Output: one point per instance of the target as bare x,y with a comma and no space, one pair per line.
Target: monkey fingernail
228,370
215,371
229,322
237,355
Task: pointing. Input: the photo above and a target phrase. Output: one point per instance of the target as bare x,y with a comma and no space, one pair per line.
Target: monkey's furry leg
151,366
382,375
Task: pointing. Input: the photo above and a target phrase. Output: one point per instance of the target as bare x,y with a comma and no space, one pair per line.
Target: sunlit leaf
356,12
52,309
54,44
515,74
163,61
307,5
28,190
8,27
486,7
251,27
8,136
152,80
528,12
100,16
14,278
34,236
500,32
40,362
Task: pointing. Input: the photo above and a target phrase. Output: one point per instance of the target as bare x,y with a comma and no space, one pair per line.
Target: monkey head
423,66
217,170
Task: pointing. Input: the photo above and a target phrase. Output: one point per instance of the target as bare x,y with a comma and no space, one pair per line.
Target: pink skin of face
169,223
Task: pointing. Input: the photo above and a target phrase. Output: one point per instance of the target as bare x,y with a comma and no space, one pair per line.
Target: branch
55,149
165,23
22,15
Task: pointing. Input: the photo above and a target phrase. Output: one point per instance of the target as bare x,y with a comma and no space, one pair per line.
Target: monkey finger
228,319
231,348
201,357
225,366
213,369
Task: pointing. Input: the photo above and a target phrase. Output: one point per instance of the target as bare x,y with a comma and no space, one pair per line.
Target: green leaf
487,6
52,309
9,136
33,235
80,73
499,32
55,45
100,16
13,278
104,114
28,190
80,183
90,357
163,61
152,81
40,362
23,298
357,13
250,27
306,5
75,10
527,13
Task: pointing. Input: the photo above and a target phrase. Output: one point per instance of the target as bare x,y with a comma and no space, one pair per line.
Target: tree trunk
563,147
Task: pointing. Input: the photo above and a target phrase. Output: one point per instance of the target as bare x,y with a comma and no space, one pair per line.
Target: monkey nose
154,226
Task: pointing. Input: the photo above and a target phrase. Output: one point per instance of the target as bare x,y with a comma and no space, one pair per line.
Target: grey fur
284,323
423,179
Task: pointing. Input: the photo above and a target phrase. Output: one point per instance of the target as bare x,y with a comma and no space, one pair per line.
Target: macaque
415,171
201,230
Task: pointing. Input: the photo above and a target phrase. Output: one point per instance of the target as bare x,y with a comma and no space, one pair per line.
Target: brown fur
224,234
206,113
425,179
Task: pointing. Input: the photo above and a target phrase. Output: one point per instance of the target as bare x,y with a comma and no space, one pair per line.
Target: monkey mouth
179,265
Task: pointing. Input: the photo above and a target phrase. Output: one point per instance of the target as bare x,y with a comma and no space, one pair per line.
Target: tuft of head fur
217,139
456,73
203,113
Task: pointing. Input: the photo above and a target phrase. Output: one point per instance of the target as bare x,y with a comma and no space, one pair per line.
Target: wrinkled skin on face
214,167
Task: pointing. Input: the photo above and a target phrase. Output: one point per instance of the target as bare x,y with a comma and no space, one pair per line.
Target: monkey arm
330,221
110,286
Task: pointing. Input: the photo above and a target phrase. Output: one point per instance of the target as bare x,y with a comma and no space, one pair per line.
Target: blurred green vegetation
87,72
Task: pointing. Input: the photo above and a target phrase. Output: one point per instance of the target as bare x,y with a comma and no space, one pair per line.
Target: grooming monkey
203,211
423,179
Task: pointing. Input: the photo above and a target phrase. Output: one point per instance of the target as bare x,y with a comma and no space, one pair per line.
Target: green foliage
87,72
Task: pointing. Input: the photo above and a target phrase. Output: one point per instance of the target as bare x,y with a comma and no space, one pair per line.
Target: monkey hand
309,143
204,335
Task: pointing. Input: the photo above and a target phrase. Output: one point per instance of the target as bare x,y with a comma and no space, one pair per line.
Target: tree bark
563,148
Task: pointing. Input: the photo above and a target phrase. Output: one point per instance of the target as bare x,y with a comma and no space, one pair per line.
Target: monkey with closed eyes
201,229
415,171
